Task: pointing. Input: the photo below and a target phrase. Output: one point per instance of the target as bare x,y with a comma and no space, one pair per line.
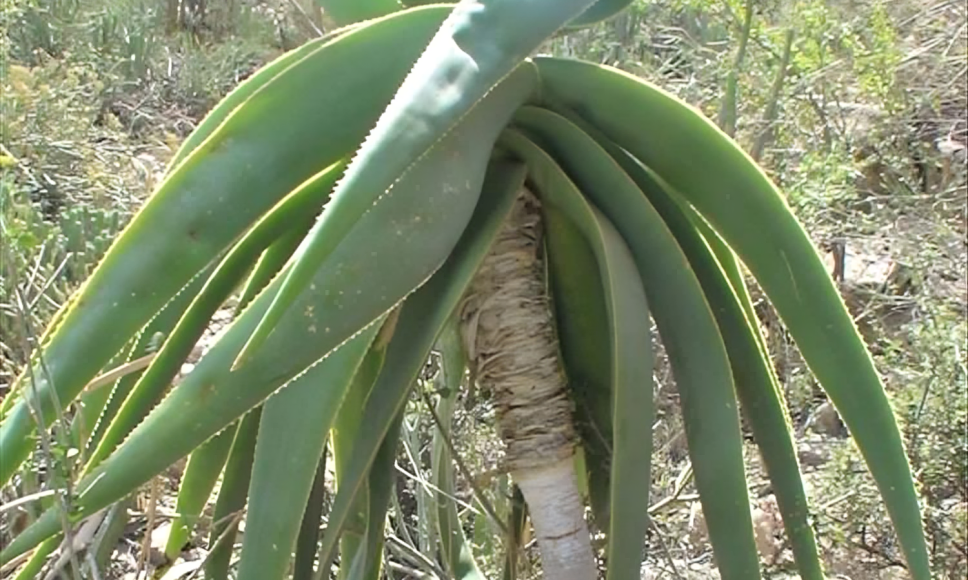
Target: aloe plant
421,169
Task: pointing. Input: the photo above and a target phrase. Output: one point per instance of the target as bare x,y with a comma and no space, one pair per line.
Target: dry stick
308,18
42,291
233,524
85,534
685,476
92,565
34,398
149,525
665,549
429,485
410,572
408,551
27,499
118,372
462,467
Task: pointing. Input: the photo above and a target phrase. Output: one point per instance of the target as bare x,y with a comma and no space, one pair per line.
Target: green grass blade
307,542
230,503
481,43
204,466
283,134
693,343
422,317
732,193
455,550
292,432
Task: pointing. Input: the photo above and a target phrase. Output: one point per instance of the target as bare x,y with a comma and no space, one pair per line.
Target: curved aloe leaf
379,485
204,466
371,272
282,134
579,146
600,10
422,317
455,550
629,377
206,462
244,90
618,387
297,419
732,193
689,333
628,394
230,502
293,213
346,430
756,384
582,322
344,12
308,540
479,44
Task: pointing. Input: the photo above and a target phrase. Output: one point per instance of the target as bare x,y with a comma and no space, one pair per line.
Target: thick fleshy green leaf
346,430
455,550
206,462
481,43
600,10
204,466
246,89
689,333
232,496
304,564
374,268
576,145
344,12
293,213
380,481
756,384
422,317
728,189
583,325
292,432
626,394
283,134
35,564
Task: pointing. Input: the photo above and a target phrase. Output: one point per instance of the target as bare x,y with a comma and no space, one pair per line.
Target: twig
462,467
118,372
665,549
27,499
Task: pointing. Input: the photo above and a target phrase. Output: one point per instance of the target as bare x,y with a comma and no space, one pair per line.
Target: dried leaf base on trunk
510,339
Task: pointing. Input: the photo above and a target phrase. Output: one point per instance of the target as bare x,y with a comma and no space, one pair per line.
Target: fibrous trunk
513,349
